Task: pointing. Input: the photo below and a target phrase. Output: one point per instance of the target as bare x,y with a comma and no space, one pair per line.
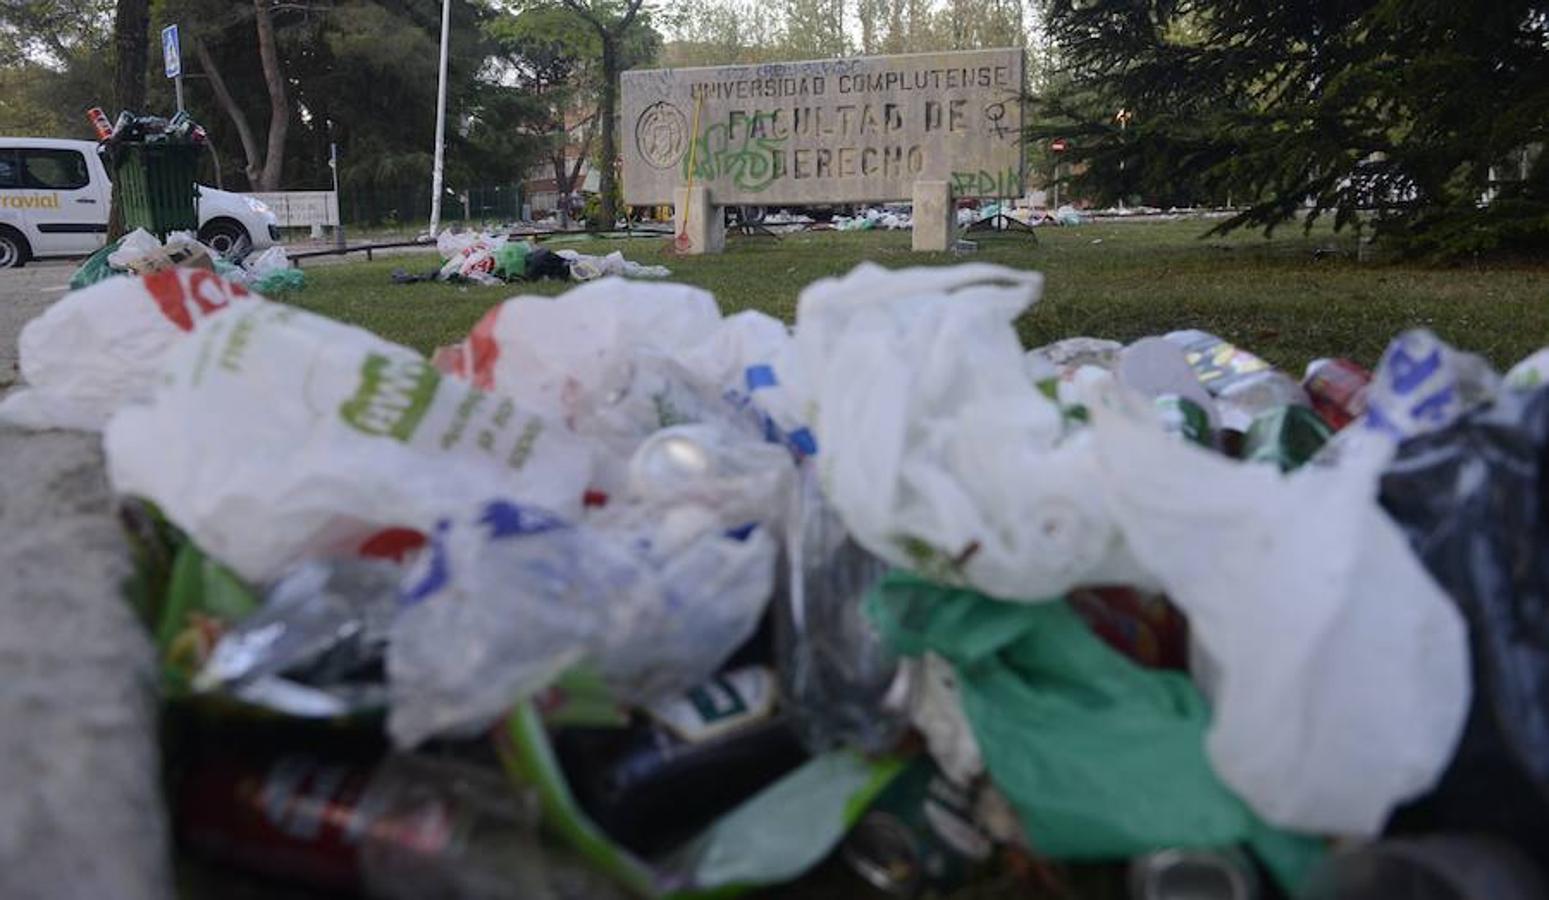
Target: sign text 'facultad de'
826,131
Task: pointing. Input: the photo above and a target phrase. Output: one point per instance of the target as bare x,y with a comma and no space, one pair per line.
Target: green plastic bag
1100,757
511,260
277,284
95,268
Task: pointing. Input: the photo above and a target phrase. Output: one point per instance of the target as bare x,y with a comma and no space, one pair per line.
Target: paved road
24,293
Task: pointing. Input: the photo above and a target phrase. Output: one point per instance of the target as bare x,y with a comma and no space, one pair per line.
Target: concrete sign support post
702,223
935,219
855,130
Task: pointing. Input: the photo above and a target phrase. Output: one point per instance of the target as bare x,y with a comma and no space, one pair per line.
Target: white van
54,197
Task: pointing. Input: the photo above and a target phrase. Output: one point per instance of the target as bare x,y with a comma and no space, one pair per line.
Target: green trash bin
156,186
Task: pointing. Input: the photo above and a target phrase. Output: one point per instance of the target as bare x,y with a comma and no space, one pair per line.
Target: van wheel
226,237
14,251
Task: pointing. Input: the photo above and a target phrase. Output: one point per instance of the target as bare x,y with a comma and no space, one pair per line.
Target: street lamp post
438,168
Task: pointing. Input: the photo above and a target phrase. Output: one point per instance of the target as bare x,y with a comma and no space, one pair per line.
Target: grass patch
1290,299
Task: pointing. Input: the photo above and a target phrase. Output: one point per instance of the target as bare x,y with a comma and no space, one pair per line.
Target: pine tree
1402,112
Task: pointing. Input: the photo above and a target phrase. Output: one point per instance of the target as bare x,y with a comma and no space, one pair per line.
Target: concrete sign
826,131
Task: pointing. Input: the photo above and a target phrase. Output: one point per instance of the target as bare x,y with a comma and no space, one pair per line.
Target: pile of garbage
140,253
484,258
874,219
621,594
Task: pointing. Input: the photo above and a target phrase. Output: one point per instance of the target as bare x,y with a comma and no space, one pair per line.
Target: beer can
100,123
919,834
1337,388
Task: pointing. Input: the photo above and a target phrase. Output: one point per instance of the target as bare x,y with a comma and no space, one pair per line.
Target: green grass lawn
1277,297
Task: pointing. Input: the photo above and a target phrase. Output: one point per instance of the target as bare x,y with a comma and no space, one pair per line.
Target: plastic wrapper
102,347
835,670
278,434
1471,499
501,604
1243,384
470,257
1286,437
324,623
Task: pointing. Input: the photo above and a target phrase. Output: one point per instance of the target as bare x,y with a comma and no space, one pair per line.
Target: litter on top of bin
1143,598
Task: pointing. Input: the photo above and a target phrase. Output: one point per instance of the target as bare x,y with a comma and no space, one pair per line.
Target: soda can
919,834
100,123
1337,388
1176,874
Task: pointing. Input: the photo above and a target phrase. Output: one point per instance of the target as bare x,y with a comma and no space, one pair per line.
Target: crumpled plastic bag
133,247
277,433
836,674
522,595
1423,384
1101,758
589,268
1343,668
1471,497
322,630
952,464
103,346
469,256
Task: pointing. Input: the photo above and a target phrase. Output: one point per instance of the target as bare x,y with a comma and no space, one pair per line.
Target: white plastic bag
135,246
945,461
267,263
469,256
588,268
277,433
1339,669
102,346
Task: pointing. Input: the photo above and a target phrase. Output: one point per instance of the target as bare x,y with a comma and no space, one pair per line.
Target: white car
54,197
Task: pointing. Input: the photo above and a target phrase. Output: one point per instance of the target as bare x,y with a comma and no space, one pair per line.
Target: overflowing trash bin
620,596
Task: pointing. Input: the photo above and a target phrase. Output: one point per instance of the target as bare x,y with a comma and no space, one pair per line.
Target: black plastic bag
542,263
1472,498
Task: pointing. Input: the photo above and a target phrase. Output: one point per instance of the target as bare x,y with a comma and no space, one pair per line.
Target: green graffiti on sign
753,164
1006,183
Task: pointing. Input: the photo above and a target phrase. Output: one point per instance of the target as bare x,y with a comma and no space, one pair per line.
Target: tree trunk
279,106
254,167
131,22
607,113
131,39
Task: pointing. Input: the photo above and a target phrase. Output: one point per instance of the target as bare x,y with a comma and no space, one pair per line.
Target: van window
57,170
10,170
